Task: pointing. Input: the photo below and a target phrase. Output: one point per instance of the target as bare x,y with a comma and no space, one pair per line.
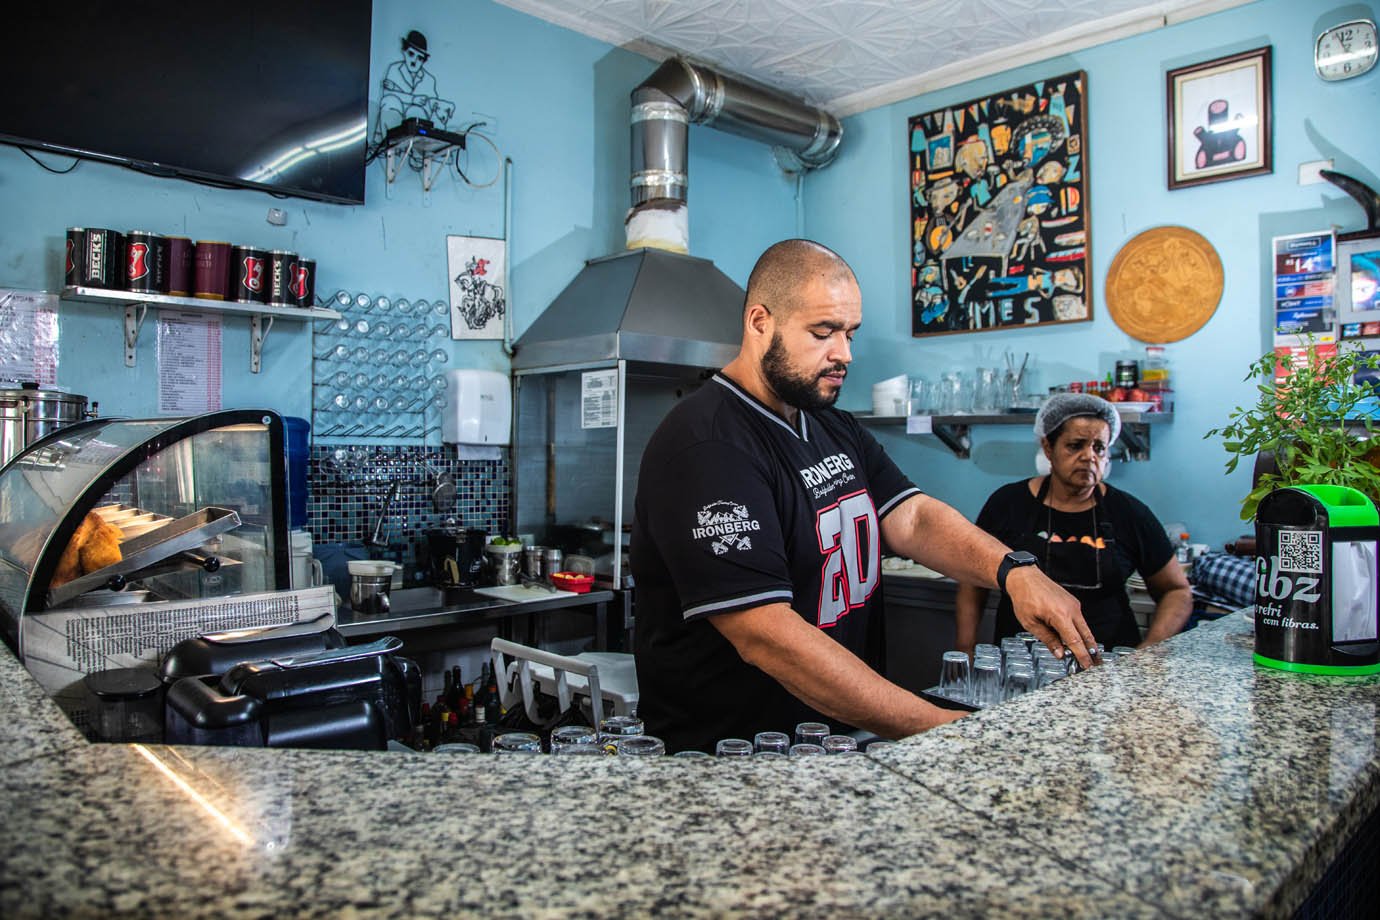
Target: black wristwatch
1013,560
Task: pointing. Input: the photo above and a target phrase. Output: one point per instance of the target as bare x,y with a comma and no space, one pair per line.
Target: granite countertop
1183,781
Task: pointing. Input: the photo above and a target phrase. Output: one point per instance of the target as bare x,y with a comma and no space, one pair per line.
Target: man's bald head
788,266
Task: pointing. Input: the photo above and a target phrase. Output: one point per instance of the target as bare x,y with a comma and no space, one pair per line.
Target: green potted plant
1317,422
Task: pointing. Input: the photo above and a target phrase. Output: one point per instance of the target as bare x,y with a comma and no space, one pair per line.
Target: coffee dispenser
1316,592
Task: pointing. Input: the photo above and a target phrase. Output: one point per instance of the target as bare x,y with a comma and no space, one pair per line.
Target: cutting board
519,594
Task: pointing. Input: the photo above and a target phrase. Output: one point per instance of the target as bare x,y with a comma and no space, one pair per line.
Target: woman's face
1076,458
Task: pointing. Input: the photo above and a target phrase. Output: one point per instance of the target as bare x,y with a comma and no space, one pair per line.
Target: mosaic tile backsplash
347,487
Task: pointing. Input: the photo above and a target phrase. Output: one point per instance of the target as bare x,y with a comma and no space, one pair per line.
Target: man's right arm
823,674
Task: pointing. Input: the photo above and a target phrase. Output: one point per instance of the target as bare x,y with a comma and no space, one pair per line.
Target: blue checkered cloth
1224,580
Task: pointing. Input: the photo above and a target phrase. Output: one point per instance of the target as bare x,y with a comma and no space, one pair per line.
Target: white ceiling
851,55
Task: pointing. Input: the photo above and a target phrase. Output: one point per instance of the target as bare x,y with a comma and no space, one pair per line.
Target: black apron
1090,573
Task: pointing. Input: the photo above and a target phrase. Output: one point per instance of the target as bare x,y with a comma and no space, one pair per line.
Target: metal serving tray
151,547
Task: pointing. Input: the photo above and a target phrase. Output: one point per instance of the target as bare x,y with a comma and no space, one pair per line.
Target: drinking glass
986,647
1018,680
440,308
364,302
361,326
403,307
837,744
919,396
986,682
615,727
768,755
1029,639
455,747
340,379
340,326
437,383
811,733
733,747
1013,649
382,304
876,747
416,358
1122,651
570,749
439,356
690,754
1048,670
438,332
342,299
380,380
985,390
779,742
382,330
955,678
335,353
517,743
805,749
640,746
568,735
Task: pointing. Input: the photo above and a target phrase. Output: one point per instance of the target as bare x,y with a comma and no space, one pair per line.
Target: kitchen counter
421,608
1180,782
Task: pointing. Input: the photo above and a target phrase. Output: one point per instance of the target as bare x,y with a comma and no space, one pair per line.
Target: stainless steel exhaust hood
655,306
645,305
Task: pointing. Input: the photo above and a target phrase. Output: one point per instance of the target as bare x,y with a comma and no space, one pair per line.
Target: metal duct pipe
679,93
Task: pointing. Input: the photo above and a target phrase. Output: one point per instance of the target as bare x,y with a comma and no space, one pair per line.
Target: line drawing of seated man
409,90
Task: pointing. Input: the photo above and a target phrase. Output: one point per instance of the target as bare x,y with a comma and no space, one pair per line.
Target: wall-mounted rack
955,431
261,316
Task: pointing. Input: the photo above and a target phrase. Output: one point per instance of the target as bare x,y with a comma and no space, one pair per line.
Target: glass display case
122,511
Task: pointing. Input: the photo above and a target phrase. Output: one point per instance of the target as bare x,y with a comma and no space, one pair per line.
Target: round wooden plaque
1164,284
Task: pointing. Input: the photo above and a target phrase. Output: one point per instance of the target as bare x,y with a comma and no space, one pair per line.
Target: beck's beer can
103,260
280,265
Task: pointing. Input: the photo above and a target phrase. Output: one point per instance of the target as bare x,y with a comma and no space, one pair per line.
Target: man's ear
757,320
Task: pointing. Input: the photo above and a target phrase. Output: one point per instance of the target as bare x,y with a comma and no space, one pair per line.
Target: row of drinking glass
400,357
1019,666
382,329
623,736
360,404
985,390
384,382
344,301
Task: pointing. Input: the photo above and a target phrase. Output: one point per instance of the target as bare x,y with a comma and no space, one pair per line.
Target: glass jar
1127,375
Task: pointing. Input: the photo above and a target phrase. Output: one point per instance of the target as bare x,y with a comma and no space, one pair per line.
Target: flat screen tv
271,96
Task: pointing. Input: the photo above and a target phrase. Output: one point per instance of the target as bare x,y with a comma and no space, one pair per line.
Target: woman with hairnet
1085,535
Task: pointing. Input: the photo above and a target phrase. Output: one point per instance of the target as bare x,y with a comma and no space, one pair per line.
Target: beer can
103,260
76,242
146,262
249,274
280,265
180,251
211,275
303,284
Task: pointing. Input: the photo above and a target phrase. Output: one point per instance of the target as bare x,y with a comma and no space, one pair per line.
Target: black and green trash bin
1317,595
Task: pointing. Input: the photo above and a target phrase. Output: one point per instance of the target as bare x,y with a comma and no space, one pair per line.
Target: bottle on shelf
1182,550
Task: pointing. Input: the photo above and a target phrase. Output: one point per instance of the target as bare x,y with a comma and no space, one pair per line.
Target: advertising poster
1305,268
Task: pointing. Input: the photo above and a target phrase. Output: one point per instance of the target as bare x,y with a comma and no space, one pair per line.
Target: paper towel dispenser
479,408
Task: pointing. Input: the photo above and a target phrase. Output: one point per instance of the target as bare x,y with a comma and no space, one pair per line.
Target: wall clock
1345,51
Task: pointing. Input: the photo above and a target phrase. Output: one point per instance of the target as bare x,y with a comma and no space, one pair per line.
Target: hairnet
1061,407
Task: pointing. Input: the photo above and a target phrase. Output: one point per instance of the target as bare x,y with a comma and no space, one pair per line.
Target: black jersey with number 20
736,509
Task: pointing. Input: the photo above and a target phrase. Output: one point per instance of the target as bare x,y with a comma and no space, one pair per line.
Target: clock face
1346,51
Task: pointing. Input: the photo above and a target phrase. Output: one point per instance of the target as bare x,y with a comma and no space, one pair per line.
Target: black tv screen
271,96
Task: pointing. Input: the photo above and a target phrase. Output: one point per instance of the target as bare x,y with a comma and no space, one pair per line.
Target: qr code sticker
1300,551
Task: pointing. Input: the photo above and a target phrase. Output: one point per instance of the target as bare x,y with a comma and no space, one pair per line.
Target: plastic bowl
572,581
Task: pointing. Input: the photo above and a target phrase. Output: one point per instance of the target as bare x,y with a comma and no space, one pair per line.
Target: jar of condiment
1127,374
1076,386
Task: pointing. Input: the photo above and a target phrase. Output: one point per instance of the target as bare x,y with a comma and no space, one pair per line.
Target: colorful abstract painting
999,210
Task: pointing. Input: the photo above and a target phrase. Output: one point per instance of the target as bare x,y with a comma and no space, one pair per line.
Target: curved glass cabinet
201,504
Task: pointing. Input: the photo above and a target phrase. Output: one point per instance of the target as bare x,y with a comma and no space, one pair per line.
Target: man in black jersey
761,516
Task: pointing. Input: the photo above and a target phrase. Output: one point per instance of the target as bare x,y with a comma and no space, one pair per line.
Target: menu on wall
1305,268
28,337
599,399
189,371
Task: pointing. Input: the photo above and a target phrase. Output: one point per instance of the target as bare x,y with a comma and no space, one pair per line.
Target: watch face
1346,51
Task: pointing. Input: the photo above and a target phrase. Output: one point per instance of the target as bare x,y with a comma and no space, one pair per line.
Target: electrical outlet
1308,172
278,217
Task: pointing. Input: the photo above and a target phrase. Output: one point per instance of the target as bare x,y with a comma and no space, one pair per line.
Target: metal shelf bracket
259,327
957,438
132,326
1134,441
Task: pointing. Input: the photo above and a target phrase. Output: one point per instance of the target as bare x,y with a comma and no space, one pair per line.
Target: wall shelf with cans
136,305
955,431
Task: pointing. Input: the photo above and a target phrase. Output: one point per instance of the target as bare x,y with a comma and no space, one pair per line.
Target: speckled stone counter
1181,782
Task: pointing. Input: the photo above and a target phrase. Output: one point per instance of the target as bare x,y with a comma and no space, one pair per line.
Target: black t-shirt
737,509
1135,541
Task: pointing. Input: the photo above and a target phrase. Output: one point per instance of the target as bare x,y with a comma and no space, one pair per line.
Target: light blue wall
859,207
557,103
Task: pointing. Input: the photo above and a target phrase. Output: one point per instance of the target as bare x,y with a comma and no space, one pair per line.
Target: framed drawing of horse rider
1219,119
478,269
999,210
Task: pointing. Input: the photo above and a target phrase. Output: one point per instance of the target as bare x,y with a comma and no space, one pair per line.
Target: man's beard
796,390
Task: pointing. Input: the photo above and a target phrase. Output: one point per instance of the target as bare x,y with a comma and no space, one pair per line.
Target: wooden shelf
955,431
261,316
